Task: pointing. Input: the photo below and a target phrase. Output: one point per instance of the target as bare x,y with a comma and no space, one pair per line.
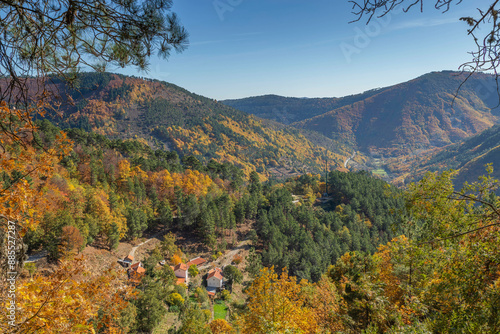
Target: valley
249,167
152,172
394,128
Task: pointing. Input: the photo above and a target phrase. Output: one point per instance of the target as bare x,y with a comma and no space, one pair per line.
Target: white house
215,278
181,272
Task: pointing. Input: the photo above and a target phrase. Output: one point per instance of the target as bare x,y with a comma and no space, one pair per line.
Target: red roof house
215,278
181,271
196,261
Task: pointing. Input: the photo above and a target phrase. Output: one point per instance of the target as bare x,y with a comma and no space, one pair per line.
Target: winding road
351,157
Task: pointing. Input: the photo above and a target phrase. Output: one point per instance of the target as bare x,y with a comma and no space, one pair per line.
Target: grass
380,172
167,322
220,311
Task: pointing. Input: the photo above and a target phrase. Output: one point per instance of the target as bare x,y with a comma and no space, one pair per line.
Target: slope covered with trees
164,115
441,276
419,114
307,239
289,110
468,157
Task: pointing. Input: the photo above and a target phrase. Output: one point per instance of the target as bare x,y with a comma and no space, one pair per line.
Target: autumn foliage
68,301
278,304
26,167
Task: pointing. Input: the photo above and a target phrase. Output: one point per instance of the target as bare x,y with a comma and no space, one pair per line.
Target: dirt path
132,251
351,157
227,259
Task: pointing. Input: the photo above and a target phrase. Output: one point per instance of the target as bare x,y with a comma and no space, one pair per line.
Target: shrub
237,259
225,295
174,309
181,290
193,270
175,299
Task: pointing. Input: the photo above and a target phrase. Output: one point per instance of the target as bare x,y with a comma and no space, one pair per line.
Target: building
197,261
136,272
138,267
126,262
215,278
181,272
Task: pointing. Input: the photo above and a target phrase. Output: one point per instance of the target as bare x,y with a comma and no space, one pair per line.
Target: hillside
419,114
468,157
288,110
416,115
167,116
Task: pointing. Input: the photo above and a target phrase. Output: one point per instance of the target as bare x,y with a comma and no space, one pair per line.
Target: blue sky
241,48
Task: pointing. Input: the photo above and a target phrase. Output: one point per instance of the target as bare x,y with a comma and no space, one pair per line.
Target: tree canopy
42,37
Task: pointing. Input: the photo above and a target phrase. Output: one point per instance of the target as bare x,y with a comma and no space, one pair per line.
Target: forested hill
362,213
395,120
288,110
164,115
468,157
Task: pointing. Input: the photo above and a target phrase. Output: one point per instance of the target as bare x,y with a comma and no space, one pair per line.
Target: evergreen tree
165,215
254,262
114,236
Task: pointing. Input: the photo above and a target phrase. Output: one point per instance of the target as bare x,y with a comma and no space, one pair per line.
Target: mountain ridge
420,114
167,116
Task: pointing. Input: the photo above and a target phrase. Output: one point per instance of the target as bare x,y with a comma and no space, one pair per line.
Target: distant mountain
288,110
164,115
416,115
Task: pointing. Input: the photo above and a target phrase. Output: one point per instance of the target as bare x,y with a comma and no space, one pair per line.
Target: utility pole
326,176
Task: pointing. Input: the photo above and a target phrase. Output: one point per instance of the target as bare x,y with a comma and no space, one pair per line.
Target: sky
241,48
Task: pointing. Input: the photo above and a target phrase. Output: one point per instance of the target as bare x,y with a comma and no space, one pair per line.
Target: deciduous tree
277,305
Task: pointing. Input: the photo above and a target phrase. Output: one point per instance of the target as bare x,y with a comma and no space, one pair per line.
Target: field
380,172
220,311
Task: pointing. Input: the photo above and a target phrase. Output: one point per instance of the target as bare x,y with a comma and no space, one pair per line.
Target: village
214,278
199,277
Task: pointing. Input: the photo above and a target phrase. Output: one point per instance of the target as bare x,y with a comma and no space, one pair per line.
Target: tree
232,275
62,302
455,244
150,307
277,305
325,301
165,215
193,270
254,262
44,41
71,240
137,221
168,246
175,299
484,27
113,236
57,37
194,321
220,326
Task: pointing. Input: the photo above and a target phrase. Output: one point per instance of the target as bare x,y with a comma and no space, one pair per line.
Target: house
126,262
181,272
215,278
197,261
136,272
138,267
